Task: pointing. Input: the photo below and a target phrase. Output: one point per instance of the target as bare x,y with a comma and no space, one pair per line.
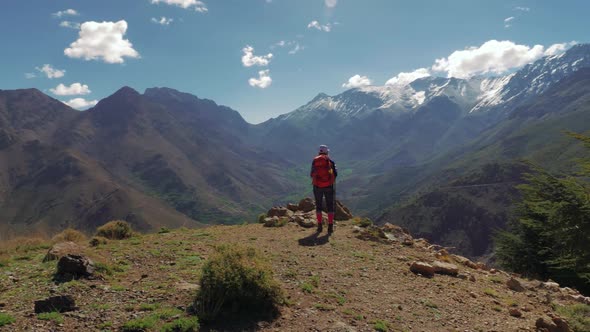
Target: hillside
340,283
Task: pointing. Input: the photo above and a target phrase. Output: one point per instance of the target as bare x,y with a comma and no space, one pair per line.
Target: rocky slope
359,279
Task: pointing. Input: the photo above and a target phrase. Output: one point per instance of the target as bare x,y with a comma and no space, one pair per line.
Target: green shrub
52,316
381,326
139,324
181,325
577,315
164,230
69,235
98,240
6,319
237,282
363,222
261,218
115,230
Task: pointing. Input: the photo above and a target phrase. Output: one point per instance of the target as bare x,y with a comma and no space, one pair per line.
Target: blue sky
201,47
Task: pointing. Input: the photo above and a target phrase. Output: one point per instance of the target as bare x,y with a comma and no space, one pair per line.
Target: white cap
324,149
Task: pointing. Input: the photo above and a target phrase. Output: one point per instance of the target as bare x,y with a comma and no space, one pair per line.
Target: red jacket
323,171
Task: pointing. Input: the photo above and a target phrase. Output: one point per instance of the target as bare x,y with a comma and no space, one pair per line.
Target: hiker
323,174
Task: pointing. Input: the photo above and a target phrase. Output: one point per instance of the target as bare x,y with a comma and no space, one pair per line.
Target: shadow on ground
314,240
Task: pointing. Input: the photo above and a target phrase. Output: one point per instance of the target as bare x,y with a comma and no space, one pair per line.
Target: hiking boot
320,227
330,228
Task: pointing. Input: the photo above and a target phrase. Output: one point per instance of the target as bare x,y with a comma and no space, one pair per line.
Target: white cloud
357,81
30,75
296,48
407,78
249,59
263,81
67,12
523,9
508,21
331,3
492,57
316,25
73,89
559,48
102,40
69,24
80,103
51,72
162,21
199,6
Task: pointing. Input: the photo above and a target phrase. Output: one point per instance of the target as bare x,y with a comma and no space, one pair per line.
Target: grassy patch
577,315
496,279
139,324
51,316
429,304
491,292
323,307
237,281
181,325
164,230
167,313
381,325
115,230
6,319
149,306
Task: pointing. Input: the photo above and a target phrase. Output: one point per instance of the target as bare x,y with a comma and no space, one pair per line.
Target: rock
550,285
61,249
277,211
515,285
292,207
75,266
514,312
62,303
356,229
445,268
397,233
306,205
472,278
297,218
473,295
578,298
557,325
186,286
493,271
307,223
341,212
2,304
408,242
422,268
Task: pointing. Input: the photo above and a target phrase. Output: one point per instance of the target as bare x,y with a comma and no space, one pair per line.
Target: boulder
557,325
341,212
277,211
515,285
306,205
550,285
422,268
445,268
514,312
292,207
75,266
61,249
61,303
306,223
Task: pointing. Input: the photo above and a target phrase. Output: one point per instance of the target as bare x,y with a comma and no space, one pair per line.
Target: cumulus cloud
102,41
198,6
263,81
316,25
162,21
559,48
80,103
331,3
249,59
51,72
407,78
67,12
492,57
357,81
73,89
508,21
69,24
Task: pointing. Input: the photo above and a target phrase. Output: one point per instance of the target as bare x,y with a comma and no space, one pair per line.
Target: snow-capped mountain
473,95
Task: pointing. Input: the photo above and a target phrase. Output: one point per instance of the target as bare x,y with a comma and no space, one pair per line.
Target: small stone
472,278
292,207
514,312
422,268
514,285
473,295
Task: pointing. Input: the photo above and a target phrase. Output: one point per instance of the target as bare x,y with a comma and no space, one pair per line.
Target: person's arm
334,169
312,170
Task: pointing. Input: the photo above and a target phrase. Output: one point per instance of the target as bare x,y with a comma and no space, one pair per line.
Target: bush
181,325
98,240
69,235
115,230
6,319
577,315
139,325
363,222
261,218
237,282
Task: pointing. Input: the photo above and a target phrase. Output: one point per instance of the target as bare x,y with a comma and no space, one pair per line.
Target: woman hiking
323,174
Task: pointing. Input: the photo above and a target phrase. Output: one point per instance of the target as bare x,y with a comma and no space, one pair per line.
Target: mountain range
437,155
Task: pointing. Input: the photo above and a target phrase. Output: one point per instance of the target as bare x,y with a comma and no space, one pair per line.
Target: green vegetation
363,222
115,230
237,281
491,292
550,233
52,316
164,230
70,235
6,319
97,241
577,315
381,325
139,324
149,306
261,218
181,325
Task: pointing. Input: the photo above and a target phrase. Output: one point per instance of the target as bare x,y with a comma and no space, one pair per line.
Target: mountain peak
320,96
126,91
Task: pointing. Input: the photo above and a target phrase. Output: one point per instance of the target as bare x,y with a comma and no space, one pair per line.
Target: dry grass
24,244
115,230
69,235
